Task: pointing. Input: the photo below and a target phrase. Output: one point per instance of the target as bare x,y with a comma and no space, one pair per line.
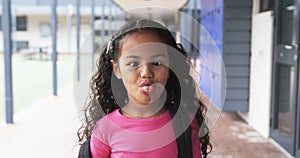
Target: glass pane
286,85
266,5
286,22
21,23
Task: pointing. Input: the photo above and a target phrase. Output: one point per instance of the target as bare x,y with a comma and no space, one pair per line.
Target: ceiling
151,9
172,4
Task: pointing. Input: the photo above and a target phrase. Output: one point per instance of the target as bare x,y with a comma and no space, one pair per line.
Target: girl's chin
147,100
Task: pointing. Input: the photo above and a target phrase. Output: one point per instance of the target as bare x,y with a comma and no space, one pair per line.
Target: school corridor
247,52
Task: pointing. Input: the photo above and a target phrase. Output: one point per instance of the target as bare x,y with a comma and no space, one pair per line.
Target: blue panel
211,37
185,30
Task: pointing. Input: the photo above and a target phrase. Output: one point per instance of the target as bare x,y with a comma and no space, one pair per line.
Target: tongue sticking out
147,89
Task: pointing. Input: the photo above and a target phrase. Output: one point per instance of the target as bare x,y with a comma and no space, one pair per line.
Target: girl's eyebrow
159,55
132,56
137,57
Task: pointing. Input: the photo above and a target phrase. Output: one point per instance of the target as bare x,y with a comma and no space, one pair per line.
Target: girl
143,101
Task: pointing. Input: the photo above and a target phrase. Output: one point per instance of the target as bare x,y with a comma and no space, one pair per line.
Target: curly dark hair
180,97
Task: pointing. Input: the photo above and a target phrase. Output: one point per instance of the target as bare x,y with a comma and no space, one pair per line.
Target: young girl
143,101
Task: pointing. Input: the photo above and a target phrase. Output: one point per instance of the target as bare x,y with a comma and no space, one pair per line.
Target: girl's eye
133,64
156,63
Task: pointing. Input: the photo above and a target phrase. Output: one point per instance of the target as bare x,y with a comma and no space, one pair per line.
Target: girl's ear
116,69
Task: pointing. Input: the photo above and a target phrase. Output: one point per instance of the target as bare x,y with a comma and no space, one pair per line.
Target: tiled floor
232,137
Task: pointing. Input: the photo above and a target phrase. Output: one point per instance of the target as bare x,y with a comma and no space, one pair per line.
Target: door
285,76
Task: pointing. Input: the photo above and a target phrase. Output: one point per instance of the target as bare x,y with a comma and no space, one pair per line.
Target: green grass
33,81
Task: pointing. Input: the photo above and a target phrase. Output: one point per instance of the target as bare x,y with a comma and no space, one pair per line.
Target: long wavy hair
103,94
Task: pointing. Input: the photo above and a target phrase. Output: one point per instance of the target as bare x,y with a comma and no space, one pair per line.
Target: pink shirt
117,136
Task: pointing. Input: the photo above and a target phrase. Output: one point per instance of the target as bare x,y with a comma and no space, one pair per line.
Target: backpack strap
184,142
84,151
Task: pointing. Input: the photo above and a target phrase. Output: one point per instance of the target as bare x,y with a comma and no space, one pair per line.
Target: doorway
284,125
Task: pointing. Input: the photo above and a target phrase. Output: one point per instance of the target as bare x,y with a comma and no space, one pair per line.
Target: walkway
48,130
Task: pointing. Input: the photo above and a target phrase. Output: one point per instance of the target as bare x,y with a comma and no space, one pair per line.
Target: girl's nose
146,70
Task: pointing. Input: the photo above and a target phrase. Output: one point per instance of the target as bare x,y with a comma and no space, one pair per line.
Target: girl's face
143,67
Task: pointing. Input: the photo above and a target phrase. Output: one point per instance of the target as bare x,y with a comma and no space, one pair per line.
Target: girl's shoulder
105,124
109,116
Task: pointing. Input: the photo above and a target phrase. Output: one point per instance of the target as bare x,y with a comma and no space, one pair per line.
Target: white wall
62,33
261,71
33,33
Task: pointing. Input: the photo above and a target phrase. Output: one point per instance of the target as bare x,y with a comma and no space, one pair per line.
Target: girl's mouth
147,89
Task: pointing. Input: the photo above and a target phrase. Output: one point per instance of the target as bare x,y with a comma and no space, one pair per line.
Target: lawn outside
32,79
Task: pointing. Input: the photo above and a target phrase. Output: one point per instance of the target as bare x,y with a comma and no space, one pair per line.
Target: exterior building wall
229,24
211,45
39,13
37,38
236,53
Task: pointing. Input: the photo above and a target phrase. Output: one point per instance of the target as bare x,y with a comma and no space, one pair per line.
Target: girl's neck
147,111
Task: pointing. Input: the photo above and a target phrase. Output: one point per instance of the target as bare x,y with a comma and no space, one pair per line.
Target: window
98,32
21,23
266,5
21,45
45,29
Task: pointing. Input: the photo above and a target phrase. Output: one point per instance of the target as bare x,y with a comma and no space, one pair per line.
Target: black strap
85,151
184,142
